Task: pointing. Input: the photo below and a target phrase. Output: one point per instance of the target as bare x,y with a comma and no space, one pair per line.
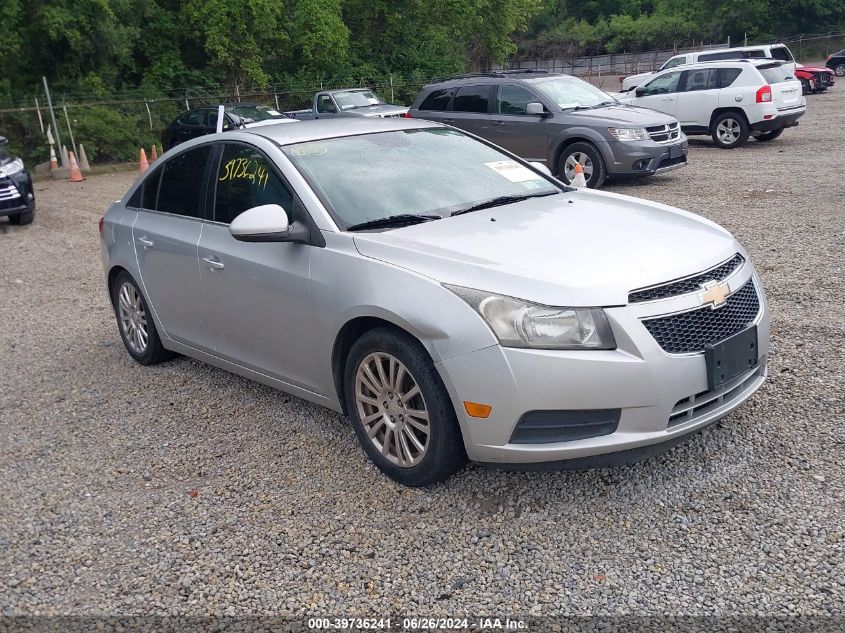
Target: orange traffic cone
75,174
54,162
579,180
153,154
144,165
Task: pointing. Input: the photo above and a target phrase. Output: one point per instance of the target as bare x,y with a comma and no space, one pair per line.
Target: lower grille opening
693,407
546,427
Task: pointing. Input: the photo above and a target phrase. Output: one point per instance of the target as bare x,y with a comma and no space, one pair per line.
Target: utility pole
52,115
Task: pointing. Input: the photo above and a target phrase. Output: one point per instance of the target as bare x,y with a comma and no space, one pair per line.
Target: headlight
518,323
629,134
12,168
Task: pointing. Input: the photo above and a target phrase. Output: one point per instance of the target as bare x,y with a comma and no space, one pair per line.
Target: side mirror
640,91
541,168
535,108
265,223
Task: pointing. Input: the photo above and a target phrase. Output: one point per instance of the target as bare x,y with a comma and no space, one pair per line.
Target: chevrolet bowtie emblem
715,294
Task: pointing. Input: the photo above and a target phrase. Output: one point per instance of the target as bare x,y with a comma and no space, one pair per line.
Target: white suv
728,100
779,52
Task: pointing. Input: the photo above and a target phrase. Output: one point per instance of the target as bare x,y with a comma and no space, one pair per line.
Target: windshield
431,171
257,112
356,99
571,92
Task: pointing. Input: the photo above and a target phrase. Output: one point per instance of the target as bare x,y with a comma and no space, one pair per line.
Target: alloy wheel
133,318
392,409
728,131
575,158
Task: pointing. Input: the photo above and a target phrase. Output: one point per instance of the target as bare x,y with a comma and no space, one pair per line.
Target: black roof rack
497,73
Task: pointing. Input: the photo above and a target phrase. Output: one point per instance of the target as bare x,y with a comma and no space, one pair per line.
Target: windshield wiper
392,220
502,200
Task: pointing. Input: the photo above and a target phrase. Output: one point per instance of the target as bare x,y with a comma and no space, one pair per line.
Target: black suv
836,63
17,197
557,120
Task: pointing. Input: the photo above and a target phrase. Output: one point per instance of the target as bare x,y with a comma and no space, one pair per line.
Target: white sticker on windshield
274,112
372,100
513,171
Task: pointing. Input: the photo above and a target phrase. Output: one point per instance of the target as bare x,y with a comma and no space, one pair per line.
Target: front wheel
591,162
729,130
400,409
22,218
806,88
840,70
768,136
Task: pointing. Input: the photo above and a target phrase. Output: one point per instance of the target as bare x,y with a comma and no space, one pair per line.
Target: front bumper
644,158
662,397
16,194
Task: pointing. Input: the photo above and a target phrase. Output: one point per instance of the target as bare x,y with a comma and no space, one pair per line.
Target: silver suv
557,120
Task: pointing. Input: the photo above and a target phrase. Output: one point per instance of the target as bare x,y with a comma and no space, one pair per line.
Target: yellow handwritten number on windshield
246,169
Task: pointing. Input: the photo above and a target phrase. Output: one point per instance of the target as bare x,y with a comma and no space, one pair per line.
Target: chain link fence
112,129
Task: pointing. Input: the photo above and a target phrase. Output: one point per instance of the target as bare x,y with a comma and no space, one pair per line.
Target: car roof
494,77
315,130
725,63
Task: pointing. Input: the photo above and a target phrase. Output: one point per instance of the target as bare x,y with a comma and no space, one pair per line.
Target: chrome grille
688,284
8,192
665,133
688,332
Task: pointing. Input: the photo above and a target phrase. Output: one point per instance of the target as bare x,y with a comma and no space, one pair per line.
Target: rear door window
182,183
437,100
472,99
514,100
149,197
703,79
195,117
245,179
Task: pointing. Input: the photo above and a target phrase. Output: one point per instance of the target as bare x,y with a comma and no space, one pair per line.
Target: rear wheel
768,136
591,162
729,130
400,409
22,218
135,322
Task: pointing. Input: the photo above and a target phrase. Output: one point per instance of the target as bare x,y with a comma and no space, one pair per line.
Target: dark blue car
17,197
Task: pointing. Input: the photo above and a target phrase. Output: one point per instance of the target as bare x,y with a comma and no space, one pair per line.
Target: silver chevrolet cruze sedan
451,299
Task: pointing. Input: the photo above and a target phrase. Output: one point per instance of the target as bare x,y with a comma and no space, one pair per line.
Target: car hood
378,111
574,249
619,114
814,69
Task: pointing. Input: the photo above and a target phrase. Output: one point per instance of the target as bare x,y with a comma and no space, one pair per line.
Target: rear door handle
448,121
145,242
213,263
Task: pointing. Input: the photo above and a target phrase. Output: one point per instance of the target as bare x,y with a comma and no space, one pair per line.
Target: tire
840,70
153,351
805,87
595,171
729,130
393,430
22,218
768,136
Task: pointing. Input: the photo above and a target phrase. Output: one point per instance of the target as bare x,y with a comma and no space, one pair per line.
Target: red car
814,79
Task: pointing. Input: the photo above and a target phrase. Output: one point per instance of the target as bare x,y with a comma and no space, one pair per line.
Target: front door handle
448,121
213,263
145,242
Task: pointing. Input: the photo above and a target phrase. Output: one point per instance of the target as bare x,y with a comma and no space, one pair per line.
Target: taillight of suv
764,94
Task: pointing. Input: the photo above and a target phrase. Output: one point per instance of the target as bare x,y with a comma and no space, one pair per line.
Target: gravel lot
99,456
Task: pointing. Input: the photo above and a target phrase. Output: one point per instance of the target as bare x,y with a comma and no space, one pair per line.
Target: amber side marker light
478,410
